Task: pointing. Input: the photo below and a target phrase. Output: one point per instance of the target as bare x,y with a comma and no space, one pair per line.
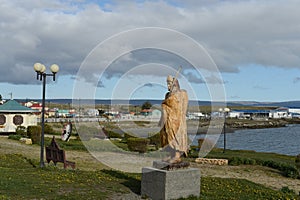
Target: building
195,115
64,114
146,112
92,112
235,114
294,112
249,114
13,114
280,113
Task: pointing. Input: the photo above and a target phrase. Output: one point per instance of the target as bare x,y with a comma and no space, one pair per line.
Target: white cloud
234,32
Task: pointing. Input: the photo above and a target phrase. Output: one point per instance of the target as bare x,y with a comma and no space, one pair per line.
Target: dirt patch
258,174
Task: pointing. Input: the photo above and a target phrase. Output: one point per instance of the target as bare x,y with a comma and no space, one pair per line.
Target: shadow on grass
131,181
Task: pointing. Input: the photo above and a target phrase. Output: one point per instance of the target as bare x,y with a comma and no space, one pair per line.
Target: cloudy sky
125,49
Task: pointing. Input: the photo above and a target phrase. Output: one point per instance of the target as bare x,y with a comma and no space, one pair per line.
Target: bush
289,170
155,140
241,161
287,190
138,144
286,169
127,136
34,132
14,137
48,129
21,130
235,161
111,134
297,162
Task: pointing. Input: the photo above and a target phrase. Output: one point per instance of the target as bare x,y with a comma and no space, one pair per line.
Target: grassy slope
21,179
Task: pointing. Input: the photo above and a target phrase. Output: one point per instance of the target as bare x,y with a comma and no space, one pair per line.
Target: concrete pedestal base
160,184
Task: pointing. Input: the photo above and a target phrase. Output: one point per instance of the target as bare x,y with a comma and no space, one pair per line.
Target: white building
13,114
195,115
235,114
92,112
280,113
294,110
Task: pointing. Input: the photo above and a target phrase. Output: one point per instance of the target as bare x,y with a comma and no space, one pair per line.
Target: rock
26,140
211,161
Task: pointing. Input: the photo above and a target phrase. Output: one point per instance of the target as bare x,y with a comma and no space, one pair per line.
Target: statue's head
173,84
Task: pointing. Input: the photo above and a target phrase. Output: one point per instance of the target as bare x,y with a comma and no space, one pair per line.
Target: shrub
287,190
286,169
249,161
138,144
155,140
289,170
111,134
21,130
297,162
14,137
48,129
241,161
34,132
127,136
235,161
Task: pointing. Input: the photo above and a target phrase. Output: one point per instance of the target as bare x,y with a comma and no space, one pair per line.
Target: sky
234,50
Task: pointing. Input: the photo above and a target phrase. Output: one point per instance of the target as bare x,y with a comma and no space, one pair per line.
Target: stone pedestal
160,184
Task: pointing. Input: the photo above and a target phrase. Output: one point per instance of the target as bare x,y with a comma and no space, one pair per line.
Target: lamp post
224,111
42,76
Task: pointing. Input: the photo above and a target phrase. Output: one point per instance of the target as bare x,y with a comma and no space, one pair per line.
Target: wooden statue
173,122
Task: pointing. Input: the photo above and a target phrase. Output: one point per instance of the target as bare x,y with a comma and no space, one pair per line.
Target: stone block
168,166
160,184
211,161
26,140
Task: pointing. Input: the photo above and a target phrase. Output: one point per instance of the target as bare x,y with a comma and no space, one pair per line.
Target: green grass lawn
284,163
20,178
220,188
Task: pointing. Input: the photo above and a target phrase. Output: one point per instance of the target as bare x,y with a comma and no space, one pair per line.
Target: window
2,119
18,120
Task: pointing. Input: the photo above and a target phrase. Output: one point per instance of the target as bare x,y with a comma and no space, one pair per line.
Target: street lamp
41,75
225,112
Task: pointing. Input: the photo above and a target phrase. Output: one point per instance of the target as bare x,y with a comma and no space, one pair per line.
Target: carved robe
174,130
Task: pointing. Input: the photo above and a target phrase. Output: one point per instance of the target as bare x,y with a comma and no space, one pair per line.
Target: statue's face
169,83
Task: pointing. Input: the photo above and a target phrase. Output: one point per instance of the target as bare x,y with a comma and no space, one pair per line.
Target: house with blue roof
13,114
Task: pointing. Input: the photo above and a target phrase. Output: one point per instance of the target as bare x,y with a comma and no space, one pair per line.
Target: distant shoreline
232,125
158,101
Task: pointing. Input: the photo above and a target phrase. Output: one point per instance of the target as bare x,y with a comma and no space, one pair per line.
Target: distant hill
294,104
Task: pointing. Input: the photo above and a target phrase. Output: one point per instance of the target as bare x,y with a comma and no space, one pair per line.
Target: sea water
283,140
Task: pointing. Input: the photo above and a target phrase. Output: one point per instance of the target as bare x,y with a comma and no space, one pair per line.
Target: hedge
21,130
111,134
14,137
155,140
138,144
34,132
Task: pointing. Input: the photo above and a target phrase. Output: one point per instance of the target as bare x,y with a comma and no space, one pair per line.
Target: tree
146,105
